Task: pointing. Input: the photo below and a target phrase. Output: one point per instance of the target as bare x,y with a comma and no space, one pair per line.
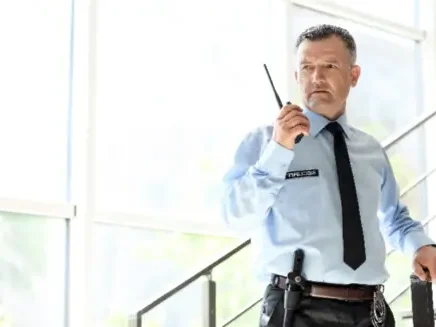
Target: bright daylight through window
118,120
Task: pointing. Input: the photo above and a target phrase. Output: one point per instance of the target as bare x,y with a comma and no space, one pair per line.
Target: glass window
431,181
34,98
403,306
32,271
185,308
399,11
160,259
431,228
236,280
399,267
249,318
173,105
408,160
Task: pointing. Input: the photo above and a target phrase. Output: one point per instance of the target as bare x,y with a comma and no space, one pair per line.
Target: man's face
325,74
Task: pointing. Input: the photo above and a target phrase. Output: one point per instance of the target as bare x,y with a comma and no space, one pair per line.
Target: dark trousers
314,312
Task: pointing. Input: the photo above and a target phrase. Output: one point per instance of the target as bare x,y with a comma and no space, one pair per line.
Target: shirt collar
318,122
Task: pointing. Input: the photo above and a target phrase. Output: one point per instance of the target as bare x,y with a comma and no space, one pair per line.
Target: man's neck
330,113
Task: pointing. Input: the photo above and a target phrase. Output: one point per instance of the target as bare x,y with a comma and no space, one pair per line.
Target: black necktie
352,232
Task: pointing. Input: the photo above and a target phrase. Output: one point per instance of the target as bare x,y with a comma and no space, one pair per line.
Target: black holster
294,288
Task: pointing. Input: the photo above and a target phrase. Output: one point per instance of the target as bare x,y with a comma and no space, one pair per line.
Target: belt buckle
378,308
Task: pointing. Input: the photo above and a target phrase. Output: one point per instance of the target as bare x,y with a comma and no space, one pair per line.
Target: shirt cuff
415,240
275,160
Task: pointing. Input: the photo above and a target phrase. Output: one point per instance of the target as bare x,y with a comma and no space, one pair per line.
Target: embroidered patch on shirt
302,173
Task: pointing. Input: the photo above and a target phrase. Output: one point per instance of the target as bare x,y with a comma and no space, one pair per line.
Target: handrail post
422,302
209,302
138,320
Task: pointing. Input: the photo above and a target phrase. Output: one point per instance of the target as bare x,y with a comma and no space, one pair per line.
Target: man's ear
355,74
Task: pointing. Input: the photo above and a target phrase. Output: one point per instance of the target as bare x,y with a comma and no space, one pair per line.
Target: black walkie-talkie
299,137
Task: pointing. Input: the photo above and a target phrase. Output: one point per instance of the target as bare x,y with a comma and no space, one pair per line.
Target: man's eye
330,66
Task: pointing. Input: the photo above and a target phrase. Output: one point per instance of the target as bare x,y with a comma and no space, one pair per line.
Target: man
308,196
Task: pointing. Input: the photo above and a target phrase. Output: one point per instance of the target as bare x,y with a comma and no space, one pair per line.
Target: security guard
330,197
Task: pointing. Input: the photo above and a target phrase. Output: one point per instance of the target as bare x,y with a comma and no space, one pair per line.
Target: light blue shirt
282,214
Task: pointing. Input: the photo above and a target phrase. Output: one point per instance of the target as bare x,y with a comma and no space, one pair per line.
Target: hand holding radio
289,125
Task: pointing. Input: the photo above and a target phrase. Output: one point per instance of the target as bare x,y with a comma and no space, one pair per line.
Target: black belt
331,291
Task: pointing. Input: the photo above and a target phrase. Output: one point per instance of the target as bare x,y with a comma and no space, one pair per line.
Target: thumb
419,271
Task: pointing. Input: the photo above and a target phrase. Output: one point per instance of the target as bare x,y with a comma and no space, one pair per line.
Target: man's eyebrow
327,60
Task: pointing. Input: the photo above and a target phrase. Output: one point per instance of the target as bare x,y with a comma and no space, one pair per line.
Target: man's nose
318,76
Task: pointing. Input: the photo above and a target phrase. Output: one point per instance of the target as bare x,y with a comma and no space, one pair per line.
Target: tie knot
334,128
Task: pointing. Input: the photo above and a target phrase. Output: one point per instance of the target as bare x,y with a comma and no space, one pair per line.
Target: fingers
430,273
419,271
300,122
301,129
287,109
290,123
294,119
290,115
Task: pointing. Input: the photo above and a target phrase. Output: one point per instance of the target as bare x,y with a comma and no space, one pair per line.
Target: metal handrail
387,144
411,186
240,314
394,138
409,315
201,272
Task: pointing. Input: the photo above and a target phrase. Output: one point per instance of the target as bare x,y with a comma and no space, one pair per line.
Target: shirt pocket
302,191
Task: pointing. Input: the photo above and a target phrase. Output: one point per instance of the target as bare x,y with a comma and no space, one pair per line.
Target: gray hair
324,31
